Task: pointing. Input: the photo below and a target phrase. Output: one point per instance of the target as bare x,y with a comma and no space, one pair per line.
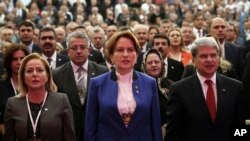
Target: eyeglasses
75,48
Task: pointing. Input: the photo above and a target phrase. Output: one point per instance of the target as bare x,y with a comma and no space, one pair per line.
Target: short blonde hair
50,85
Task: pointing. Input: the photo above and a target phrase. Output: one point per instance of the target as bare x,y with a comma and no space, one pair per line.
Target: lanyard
34,125
13,86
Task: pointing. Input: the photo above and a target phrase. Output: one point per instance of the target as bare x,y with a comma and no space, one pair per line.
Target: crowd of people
127,70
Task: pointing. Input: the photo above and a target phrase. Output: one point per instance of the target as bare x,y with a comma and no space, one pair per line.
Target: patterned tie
211,100
199,32
81,84
49,60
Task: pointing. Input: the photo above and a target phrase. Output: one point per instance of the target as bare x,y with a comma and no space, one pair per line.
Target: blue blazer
103,121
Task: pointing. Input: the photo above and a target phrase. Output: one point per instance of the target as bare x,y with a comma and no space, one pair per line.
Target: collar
203,79
75,67
144,47
53,56
113,75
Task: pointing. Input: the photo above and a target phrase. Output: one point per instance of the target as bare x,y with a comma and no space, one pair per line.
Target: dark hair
8,56
196,15
154,27
26,23
162,36
46,29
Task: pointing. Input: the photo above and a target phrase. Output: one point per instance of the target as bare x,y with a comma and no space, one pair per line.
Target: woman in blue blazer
123,105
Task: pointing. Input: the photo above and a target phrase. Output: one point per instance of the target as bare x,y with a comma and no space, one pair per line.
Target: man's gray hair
77,34
201,42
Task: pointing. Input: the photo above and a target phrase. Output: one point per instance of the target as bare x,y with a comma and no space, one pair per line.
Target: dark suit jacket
96,56
36,48
103,120
6,92
188,115
64,79
61,59
246,84
234,54
1,68
175,70
56,121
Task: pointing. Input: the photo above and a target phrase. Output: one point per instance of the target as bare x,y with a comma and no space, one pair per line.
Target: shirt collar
76,67
53,56
203,79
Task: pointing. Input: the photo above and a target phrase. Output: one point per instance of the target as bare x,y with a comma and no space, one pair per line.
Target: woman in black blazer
38,112
9,79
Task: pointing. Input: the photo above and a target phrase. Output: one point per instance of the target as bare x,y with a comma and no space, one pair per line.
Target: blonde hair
50,85
182,46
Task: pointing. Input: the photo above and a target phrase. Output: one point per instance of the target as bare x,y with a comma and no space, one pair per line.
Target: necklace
34,124
13,86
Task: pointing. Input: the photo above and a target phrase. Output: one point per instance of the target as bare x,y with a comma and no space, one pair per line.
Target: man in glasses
76,76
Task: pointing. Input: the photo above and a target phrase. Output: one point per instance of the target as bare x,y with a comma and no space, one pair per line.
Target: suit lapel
91,72
199,96
58,60
221,96
75,99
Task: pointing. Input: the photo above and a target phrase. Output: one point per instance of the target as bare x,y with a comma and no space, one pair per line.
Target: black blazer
96,56
61,59
1,68
246,84
63,77
175,70
6,91
36,48
188,117
234,54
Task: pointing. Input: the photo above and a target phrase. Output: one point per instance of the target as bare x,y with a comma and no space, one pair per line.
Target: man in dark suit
141,33
206,105
174,69
246,84
78,52
47,42
198,21
26,34
232,53
1,68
